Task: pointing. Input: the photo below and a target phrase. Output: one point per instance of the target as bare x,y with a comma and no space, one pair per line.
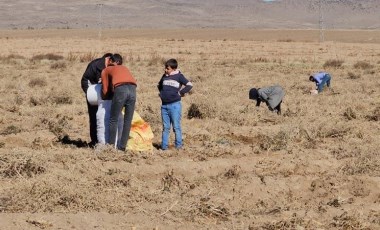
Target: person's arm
188,86
258,102
159,85
86,78
105,83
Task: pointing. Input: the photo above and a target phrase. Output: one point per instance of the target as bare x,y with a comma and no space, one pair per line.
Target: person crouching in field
171,91
117,79
321,79
272,96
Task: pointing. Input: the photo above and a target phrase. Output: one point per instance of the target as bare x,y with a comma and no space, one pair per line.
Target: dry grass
334,63
242,167
48,56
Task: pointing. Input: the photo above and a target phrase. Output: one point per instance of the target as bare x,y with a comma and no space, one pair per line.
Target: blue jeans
171,115
124,97
325,80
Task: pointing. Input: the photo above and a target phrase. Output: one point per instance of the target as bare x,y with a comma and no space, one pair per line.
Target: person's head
253,94
116,59
311,78
107,55
171,65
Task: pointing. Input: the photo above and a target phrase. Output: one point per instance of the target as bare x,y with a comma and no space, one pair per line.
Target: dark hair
311,78
107,55
172,63
117,58
253,94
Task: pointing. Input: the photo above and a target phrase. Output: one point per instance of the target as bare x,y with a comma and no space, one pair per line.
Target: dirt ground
316,166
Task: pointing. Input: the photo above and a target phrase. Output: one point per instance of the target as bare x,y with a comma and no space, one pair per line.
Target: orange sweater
113,76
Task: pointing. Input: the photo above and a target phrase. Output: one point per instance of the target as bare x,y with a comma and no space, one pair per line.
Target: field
316,166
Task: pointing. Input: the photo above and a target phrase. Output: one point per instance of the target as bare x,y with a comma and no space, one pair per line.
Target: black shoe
92,144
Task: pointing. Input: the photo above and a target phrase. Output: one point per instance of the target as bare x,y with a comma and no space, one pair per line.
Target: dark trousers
92,109
278,108
124,97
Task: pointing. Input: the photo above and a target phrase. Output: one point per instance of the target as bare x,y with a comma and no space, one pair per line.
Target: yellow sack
141,135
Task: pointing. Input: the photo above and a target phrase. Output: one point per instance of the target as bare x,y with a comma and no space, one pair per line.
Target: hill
258,14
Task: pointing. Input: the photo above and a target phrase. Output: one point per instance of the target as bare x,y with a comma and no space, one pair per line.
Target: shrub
363,65
22,168
61,99
37,82
87,57
285,40
261,59
48,56
349,114
156,59
333,63
200,111
15,56
11,130
353,75
72,57
58,65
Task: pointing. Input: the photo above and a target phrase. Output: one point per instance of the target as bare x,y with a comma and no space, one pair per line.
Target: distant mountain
293,14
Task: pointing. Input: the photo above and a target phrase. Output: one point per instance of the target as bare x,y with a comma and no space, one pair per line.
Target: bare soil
314,167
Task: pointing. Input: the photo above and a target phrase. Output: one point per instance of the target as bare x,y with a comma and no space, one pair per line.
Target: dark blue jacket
170,87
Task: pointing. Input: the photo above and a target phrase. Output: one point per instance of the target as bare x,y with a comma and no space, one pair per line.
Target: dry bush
40,223
71,57
344,152
52,99
155,59
233,172
363,65
334,131
375,116
59,127
200,111
261,59
353,76
36,101
204,208
87,57
334,63
63,99
285,40
12,59
278,142
346,221
12,129
23,167
291,223
49,196
15,56
169,181
48,56
349,114
364,165
58,65
39,82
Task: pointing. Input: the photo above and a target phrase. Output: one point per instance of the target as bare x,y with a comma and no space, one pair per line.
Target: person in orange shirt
118,83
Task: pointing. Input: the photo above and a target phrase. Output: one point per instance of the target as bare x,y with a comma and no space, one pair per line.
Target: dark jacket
170,87
92,73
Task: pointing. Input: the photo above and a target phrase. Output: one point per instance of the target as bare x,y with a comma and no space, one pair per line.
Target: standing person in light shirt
172,86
